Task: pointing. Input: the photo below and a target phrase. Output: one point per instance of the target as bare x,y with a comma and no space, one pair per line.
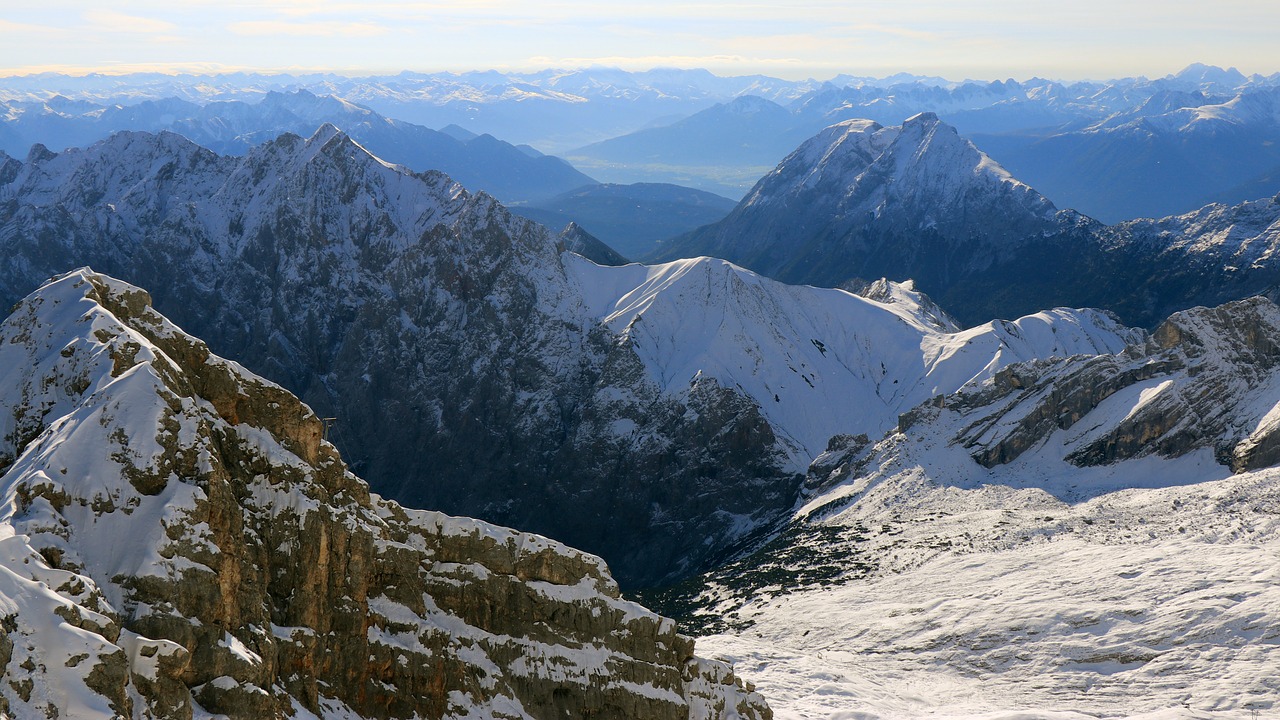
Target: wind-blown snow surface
1066,541
1064,630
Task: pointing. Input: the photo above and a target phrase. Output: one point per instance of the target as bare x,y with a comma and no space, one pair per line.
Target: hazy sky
818,38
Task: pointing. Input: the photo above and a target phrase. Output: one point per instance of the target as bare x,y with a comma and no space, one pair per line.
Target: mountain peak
574,238
39,153
1211,74
326,132
751,104
924,119
862,200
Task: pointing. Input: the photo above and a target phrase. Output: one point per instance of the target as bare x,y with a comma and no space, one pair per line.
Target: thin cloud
29,29
193,68
307,29
893,31
111,21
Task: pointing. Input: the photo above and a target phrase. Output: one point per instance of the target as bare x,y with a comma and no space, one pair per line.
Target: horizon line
178,70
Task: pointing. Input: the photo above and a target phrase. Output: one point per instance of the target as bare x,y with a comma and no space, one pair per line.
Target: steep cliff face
179,538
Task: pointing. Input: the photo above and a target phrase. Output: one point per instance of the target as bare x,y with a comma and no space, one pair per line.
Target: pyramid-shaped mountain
861,201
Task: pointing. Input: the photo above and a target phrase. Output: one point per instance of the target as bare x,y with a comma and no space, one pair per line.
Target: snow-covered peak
326,132
818,362
923,170
929,163
125,163
309,106
1201,75
831,159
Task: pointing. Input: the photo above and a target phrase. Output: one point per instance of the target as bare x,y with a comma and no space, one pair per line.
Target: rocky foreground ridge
177,538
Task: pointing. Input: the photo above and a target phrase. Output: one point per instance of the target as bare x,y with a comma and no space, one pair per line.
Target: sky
991,39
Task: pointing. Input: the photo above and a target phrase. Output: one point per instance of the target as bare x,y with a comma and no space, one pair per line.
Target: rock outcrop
1201,381
179,538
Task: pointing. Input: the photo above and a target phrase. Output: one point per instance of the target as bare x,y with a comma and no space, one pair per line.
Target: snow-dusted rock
176,536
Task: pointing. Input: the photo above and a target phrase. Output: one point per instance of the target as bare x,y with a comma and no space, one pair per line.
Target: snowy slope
819,362
177,537
1067,540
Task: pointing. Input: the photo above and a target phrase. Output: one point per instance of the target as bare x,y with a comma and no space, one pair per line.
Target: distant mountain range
1177,152
552,109
479,162
1113,150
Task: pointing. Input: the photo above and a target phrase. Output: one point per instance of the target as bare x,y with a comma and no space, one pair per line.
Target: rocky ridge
179,539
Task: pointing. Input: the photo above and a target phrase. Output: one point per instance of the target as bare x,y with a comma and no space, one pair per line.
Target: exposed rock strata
1192,385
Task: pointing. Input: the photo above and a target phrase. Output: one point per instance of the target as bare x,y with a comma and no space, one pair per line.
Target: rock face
1202,381
860,201
179,538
